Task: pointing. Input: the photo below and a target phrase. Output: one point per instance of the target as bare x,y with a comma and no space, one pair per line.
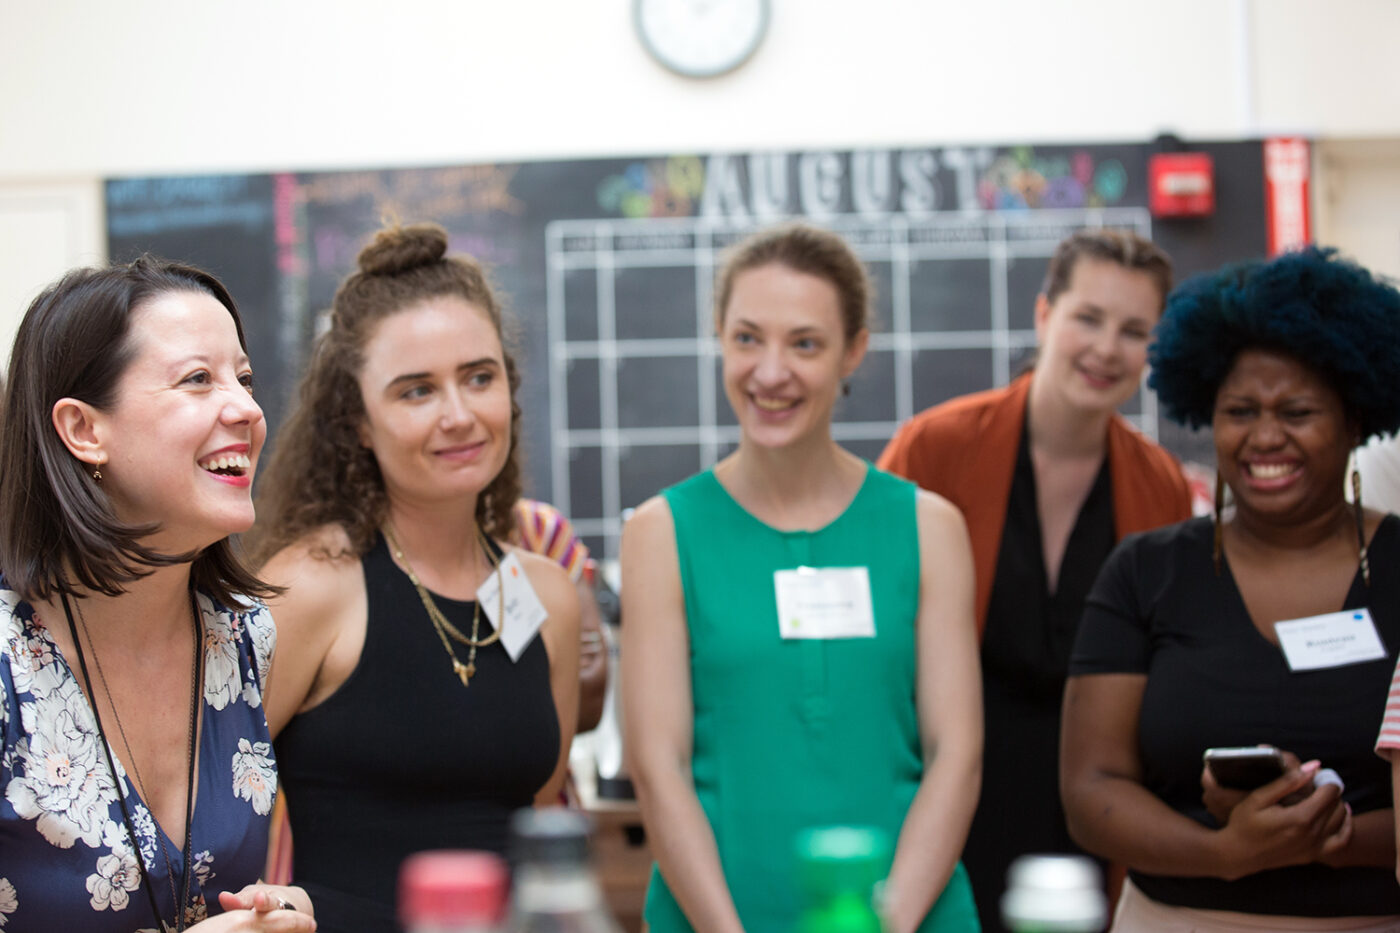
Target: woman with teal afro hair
1328,313
1273,623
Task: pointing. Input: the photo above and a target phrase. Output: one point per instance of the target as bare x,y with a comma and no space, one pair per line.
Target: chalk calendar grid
636,399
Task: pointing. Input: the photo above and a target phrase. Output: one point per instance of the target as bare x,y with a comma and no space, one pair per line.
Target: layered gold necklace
441,625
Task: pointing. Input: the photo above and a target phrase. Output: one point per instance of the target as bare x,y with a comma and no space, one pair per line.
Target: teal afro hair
1329,313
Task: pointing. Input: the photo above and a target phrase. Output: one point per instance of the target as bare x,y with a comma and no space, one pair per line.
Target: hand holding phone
1285,821
1246,767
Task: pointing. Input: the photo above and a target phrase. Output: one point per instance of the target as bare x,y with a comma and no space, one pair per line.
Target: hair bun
400,248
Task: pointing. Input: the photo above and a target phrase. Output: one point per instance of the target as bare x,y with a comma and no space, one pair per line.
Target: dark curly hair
1327,312
320,474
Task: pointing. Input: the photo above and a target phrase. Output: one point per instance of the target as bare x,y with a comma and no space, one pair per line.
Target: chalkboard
608,267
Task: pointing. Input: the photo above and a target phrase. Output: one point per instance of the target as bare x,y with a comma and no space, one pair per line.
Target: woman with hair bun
1275,622
408,714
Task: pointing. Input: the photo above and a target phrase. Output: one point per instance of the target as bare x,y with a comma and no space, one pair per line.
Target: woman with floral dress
136,770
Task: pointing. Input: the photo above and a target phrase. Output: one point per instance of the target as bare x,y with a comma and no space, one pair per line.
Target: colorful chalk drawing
437,192
1020,180
657,188
407,196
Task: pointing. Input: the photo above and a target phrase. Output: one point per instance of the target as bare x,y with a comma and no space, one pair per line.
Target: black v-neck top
1161,610
1025,658
1030,629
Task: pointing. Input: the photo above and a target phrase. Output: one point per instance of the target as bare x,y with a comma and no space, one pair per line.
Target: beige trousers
1138,913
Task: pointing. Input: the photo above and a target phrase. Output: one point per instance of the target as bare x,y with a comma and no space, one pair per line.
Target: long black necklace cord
189,781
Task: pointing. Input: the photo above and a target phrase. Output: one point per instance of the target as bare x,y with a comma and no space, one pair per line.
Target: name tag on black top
1335,639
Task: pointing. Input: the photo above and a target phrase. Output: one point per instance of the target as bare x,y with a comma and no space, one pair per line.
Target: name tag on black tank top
524,613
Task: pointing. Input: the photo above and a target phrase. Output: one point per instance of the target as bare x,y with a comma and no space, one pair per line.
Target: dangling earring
845,389
97,474
1219,522
1360,520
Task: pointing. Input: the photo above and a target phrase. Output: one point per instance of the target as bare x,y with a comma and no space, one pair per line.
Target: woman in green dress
799,647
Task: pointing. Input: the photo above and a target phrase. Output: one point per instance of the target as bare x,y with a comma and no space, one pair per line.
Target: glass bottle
555,890
613,780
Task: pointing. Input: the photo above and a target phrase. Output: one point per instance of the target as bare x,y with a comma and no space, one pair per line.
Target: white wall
91,89
1358,201
146,86
45,229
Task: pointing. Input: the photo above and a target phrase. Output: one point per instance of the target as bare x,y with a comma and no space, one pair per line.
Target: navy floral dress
65,856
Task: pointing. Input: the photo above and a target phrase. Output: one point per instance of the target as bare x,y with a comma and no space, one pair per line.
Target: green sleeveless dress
791,734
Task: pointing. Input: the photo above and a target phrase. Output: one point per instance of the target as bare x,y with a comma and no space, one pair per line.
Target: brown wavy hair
320,474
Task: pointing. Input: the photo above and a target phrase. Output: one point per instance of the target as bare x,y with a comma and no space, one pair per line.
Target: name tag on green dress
824,602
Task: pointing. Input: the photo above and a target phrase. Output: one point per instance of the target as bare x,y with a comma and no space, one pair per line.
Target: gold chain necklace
444,628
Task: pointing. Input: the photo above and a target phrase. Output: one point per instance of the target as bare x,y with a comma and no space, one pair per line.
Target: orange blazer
965,450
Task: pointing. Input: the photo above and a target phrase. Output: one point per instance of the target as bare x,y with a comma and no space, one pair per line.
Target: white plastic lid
1055,894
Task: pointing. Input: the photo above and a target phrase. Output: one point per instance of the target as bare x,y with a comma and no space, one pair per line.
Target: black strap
129,824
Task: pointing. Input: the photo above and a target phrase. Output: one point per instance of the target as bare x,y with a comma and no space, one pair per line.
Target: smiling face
181,442
1282,437
437,401
785,354
1093,339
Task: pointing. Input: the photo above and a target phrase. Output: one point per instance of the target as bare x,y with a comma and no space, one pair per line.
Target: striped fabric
542,529
279,845
1389,739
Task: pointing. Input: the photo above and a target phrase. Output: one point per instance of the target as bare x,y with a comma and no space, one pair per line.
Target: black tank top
402,758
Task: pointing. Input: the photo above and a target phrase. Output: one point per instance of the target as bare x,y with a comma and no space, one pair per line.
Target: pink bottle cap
449,887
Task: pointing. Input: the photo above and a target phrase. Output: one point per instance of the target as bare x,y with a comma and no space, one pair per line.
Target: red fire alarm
1181,184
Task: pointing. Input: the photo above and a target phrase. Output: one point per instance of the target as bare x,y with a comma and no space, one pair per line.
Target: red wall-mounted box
1181,184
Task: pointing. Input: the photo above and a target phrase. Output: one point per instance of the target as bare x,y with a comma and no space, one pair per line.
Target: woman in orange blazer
1049,477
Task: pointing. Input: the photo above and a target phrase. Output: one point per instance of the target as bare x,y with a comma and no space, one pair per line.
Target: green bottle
839,871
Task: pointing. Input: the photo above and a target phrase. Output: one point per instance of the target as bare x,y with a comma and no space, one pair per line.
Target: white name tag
1332,640
524,611
824,602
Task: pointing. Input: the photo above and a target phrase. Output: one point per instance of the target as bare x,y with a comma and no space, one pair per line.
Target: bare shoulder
320,617
945,549
321,575
551,581
556,593
651,524
935,513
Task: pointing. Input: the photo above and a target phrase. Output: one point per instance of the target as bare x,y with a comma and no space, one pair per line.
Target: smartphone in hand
1244,767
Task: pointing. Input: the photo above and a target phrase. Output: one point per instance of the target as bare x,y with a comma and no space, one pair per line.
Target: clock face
701,38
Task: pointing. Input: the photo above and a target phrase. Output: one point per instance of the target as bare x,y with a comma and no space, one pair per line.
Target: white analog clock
701,38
